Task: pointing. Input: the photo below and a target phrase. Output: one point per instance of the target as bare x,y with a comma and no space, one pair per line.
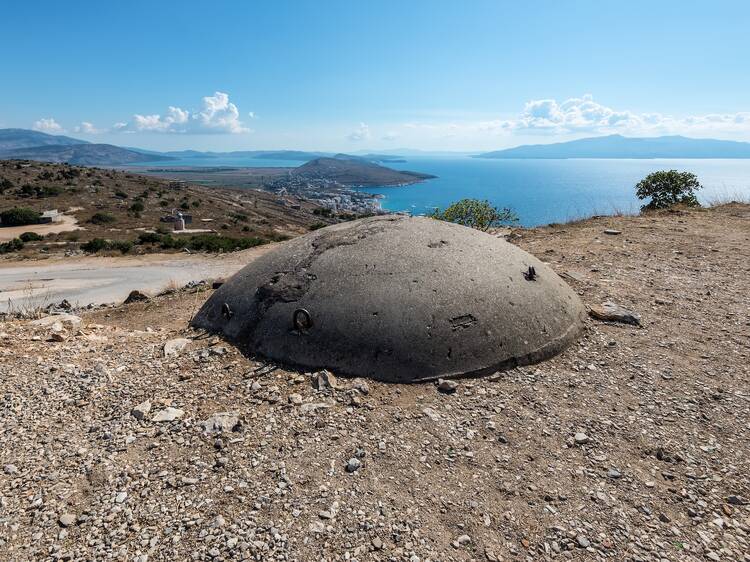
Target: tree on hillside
477,214
667,188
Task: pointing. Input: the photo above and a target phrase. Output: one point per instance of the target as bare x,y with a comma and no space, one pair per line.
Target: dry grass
32,305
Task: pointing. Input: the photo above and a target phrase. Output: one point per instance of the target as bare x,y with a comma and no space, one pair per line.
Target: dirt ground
633,444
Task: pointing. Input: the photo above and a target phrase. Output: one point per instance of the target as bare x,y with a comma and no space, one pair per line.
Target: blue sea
539,191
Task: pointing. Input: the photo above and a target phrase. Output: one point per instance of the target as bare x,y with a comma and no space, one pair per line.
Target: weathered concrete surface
397,298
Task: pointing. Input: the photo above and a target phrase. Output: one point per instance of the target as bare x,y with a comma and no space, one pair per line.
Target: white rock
175,346
140,411
168,415
221,422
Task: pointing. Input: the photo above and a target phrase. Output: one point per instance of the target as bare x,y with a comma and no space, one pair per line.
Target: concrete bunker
399,299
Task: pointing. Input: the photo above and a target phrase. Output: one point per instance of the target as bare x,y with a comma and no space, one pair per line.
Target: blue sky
329,75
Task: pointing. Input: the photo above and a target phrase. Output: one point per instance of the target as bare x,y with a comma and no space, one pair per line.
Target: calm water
544,191
540,191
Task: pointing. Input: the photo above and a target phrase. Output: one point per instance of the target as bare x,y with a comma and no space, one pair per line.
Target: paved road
101,280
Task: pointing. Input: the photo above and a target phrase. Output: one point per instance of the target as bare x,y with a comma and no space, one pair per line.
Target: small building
51,216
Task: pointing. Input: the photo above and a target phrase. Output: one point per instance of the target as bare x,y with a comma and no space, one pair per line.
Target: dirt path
65,225
98,280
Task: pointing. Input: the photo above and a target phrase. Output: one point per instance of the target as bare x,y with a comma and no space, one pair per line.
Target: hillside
354,171
82,154
121,206
617,146
631,445
11,139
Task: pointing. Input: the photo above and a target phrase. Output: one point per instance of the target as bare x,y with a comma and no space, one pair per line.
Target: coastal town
328,194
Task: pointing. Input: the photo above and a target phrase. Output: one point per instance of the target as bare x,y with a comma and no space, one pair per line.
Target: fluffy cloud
361,133
86,128
574,115
585,116
48,125
218,115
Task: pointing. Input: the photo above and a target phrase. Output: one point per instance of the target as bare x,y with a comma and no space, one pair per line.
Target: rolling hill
82,154
11,139
354,171
617,146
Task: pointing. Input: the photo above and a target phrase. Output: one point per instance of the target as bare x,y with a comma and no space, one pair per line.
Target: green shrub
148,238
5,184
102,218
323,212
30,237
19,216
100,244
200,242
477,214
317,225
11,246
95,245
137,207
29,190
667,188
119,193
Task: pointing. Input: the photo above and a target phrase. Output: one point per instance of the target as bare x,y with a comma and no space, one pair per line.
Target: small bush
200,242
30,237
137,207
102,218
317,225
119,193
100,244
323,212
95,245
29,190
11,246
477,214
19,216
667,188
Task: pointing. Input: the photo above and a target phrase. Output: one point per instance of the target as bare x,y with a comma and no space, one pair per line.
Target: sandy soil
66,224
633,444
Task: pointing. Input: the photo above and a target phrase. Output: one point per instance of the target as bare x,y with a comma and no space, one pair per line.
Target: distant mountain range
23,144
34,145
617,146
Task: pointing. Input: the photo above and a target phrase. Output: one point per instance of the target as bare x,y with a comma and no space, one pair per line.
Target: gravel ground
634,444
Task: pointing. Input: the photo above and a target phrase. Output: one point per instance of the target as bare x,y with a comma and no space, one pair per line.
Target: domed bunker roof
399,299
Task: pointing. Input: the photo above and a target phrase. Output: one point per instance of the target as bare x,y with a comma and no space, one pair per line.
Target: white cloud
584,116
218,115
391,136
360,133
86,128
574,115
48,125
